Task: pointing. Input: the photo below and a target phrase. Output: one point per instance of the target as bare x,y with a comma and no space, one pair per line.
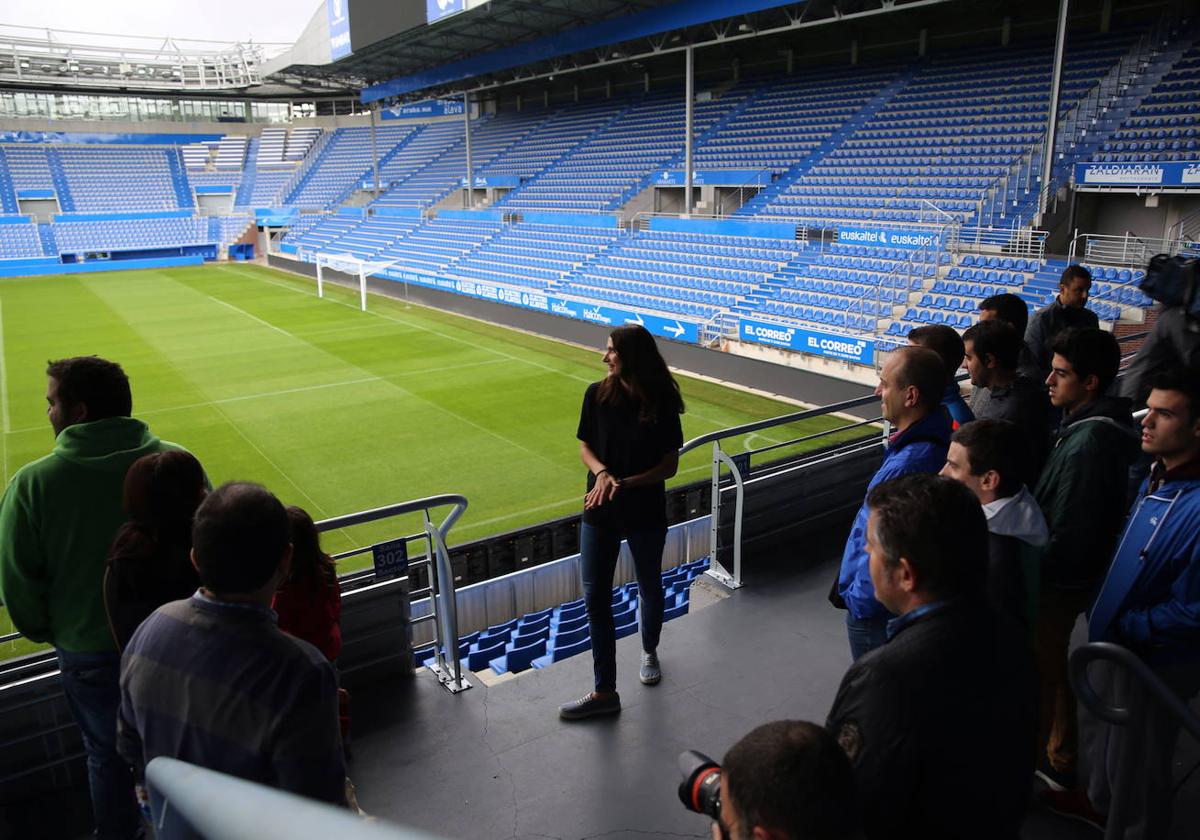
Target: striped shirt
219,685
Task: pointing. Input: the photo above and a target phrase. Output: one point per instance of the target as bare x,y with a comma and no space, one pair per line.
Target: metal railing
738,465
187,801
1156,691
1187,229
443,610
1124,250
443,607
1011,241
307,164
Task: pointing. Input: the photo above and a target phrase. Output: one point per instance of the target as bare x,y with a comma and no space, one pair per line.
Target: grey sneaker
651,673
589,706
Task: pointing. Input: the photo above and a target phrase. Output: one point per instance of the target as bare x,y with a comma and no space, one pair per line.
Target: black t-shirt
627,446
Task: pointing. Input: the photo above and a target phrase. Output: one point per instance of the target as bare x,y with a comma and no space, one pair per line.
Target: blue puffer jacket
921,448
1150,600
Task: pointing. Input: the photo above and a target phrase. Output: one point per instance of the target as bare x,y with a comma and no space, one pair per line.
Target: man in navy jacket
938,723
910,389
1150,603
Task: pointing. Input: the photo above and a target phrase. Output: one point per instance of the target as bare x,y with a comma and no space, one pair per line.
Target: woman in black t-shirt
630,434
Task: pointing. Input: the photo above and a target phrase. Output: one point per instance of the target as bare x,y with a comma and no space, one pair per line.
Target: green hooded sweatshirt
58,518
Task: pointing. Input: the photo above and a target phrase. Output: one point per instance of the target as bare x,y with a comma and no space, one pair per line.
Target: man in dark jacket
938,722
1150,603
910,386
1012,310
991,350
1082,493
987,456
1066,312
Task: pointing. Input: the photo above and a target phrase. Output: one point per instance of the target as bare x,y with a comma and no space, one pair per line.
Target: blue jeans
598,549
866,634
89,681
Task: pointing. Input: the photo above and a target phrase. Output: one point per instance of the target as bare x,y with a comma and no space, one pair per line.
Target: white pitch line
4,397
483,523
435,405
286,392
314,506
3,378
267,324
432,331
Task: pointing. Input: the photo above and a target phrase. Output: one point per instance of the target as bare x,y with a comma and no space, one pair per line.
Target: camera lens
700,790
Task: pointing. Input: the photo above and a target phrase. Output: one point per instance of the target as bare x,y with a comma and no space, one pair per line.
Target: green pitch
334,409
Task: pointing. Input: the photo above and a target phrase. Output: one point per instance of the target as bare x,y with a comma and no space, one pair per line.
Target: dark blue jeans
89,681
598,549
866,634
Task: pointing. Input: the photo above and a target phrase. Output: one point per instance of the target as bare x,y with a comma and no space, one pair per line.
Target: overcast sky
216,20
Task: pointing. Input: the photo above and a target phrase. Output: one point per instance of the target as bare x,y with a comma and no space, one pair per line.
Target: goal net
348,264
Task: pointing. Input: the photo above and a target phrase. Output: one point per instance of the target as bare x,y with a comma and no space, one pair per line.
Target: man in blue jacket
910,389
1150,603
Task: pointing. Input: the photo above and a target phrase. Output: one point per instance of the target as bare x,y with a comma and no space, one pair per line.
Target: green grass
334,409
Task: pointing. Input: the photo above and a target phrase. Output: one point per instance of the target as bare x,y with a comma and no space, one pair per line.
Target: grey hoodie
1016,532
1018,516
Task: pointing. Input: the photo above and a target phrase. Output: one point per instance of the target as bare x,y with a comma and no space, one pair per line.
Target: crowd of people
203,624
983,539
189,622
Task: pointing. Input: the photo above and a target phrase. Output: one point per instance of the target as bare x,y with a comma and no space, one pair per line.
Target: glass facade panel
74,106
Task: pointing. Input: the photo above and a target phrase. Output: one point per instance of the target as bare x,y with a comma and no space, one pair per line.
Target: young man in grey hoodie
988,456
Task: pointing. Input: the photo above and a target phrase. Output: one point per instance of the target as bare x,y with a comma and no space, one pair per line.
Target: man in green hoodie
58,517
1081,491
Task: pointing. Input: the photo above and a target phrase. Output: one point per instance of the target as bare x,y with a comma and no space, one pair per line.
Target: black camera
700,790
1173,281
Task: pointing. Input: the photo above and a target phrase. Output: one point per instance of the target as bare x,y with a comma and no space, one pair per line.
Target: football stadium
423,290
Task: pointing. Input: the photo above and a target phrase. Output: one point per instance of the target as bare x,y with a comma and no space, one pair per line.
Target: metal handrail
1134,250
782,420
1121,657
1086,654
190,801
722,459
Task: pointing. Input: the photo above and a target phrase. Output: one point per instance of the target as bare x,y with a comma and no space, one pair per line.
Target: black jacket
1175,340
1082,492
939,724
1049,322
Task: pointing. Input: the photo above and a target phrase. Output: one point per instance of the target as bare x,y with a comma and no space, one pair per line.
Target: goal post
348,264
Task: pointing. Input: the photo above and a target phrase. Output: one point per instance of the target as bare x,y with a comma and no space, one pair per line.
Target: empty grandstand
778,192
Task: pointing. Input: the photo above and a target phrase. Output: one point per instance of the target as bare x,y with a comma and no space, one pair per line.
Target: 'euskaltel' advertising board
886,237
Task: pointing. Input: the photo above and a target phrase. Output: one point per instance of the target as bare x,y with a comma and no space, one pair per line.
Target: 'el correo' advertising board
848,348
1146,174
339,29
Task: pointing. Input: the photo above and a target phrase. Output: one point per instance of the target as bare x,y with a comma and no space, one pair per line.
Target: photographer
785,780
1175,339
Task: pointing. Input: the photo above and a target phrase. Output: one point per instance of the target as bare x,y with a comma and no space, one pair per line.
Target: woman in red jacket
309,604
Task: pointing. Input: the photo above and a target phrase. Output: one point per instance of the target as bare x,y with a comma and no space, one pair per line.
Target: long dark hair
161,494
309,563
643,373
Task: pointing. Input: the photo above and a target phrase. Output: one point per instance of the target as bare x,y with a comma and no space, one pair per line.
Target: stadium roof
508,40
